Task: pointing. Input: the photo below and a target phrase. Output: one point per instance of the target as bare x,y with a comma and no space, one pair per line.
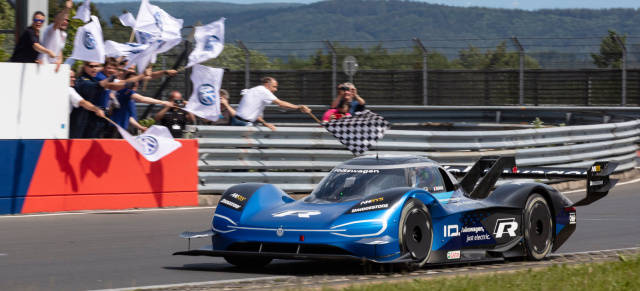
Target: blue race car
402,209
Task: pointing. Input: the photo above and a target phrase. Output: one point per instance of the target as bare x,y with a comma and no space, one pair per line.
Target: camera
179,103
344,88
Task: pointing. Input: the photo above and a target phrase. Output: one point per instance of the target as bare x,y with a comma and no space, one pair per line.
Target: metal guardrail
416,117
297,158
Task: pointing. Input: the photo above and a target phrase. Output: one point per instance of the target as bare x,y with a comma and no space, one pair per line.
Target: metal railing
297,158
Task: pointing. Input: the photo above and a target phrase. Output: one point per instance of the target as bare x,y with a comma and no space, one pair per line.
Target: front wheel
538,227
416,233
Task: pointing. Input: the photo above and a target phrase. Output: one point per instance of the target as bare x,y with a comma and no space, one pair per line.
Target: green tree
498,58
233,58
610,55
7,21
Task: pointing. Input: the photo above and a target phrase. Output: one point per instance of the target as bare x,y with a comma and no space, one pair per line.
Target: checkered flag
358,132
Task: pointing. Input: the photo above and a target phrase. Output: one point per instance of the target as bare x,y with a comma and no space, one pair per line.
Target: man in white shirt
254,101
55,37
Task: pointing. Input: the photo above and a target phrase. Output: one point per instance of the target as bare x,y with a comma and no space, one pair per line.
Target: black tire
248,262
538,227
416,233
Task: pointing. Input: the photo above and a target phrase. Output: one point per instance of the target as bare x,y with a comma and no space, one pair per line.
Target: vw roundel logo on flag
150,144
158,19
144,37
89,41
210,42
207,94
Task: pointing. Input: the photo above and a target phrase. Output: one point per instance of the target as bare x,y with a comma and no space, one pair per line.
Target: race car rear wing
491,168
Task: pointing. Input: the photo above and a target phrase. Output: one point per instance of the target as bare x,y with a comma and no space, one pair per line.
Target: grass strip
623,274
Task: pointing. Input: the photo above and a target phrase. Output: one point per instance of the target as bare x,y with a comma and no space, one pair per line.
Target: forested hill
380,20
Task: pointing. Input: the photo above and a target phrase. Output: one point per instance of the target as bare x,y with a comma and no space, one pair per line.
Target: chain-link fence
498,71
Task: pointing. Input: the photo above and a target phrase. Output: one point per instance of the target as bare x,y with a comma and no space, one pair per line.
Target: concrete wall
35,101
68,175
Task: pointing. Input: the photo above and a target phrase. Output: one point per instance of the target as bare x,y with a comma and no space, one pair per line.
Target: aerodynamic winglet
598,182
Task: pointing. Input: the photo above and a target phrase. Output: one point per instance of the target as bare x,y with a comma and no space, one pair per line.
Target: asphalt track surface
124,249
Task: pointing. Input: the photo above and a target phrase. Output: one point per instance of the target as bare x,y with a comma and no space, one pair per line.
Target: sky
506,4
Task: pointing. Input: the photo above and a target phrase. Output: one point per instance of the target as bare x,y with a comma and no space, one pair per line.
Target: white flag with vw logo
116,49
143,58
127,19
84,11
154,144
209,42
155,21
89,43
205,99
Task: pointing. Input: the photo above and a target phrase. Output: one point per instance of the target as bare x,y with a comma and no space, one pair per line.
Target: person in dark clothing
173,118
28,46
83,123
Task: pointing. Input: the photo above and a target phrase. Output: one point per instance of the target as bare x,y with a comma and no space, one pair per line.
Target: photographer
173,118
347,92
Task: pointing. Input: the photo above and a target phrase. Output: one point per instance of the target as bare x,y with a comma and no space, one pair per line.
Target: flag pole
146,81
133,33
107,118
314,117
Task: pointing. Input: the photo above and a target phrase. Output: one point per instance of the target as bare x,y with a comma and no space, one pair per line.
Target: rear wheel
416,233
538,227
248,262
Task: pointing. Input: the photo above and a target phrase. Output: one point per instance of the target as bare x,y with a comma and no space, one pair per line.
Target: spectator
84,125
226,111
173,118
254,101
349,93
107,98
122,116
337,113
28,46
55,37
77,101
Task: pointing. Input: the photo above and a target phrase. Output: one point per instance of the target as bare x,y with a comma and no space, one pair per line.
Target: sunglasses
38,20
66,19
92,66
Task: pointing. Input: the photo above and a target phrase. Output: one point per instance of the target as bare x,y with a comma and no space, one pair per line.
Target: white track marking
285,277
198,283
610,250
